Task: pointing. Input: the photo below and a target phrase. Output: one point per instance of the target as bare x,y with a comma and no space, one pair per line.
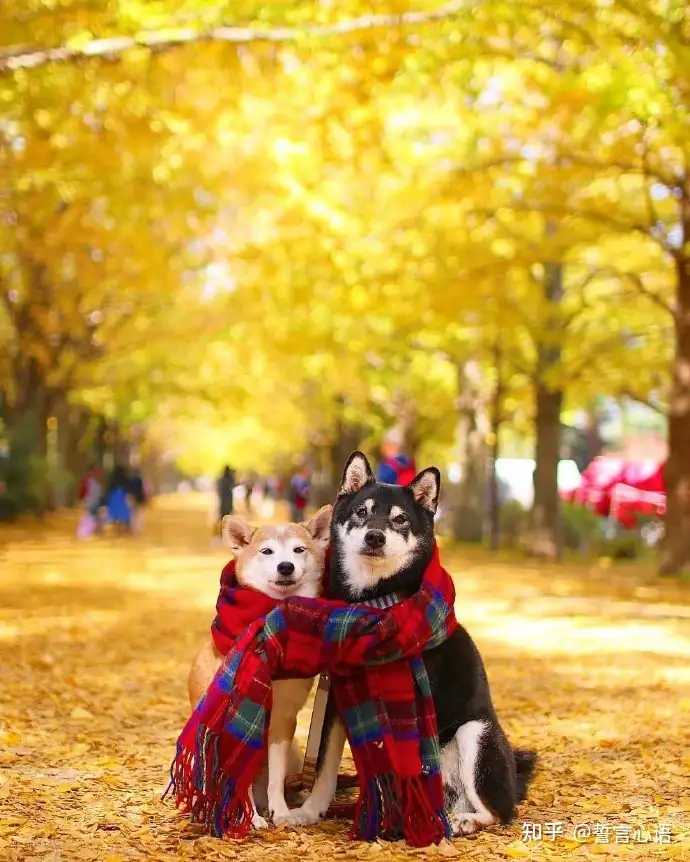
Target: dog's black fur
458,680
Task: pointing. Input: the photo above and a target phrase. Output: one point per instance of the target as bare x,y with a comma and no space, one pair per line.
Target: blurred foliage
23,471
513,521
623,545
581,527
246,240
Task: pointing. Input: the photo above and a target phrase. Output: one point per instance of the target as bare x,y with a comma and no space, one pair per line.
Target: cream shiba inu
277,560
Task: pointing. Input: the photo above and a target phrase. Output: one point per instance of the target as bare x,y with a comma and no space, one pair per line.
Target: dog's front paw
259,822
280,815
283,819
464,824
304,816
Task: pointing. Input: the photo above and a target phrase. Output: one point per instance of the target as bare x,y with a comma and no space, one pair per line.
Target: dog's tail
525,763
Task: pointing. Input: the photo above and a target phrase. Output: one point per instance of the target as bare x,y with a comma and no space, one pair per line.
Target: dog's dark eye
361,512
300,550
400,519
267,551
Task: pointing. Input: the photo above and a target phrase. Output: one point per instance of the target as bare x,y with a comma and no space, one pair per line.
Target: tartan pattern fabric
382,692
236,608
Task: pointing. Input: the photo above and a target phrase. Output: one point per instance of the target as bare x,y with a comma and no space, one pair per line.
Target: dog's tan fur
289,696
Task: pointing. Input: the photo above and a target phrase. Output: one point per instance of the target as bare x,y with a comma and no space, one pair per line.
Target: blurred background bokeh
264,234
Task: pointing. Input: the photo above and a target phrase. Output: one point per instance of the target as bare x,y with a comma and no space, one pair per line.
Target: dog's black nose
286,569
375,539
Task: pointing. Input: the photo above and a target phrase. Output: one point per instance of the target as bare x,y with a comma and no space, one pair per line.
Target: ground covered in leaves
588,664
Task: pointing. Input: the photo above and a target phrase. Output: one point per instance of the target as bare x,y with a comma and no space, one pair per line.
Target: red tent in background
597,480
629,503
646,476
623,489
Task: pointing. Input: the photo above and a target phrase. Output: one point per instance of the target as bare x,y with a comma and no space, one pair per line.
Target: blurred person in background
248,484
91,490
270,495
118,501
298,494
137,493
90,497
395,467
225,489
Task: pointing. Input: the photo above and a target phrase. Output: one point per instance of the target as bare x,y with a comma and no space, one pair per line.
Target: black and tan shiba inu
382,537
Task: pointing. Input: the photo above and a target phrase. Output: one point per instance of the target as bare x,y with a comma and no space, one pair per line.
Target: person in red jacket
395,468
298,494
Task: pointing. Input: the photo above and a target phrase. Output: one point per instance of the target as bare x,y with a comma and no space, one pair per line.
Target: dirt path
589,666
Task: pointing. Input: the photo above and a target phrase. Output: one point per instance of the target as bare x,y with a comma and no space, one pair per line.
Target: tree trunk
152,469
344,440
100,443
121,445
27,433
676,548
406,417
469,504
412,439
595,444
27,417
76,455
543,539
494,513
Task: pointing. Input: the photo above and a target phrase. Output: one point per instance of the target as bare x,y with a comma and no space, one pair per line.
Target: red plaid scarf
383,698
236,609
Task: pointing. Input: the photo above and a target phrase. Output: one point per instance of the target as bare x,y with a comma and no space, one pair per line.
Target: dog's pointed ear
236,533
319,527
426,487
356,475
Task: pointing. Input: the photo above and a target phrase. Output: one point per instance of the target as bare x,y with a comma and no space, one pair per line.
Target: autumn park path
590,666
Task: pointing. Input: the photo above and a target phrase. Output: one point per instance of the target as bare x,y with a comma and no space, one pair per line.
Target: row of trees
250,226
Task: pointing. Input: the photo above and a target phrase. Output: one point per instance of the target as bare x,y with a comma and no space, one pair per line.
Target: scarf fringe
393,809
207,793
424,824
